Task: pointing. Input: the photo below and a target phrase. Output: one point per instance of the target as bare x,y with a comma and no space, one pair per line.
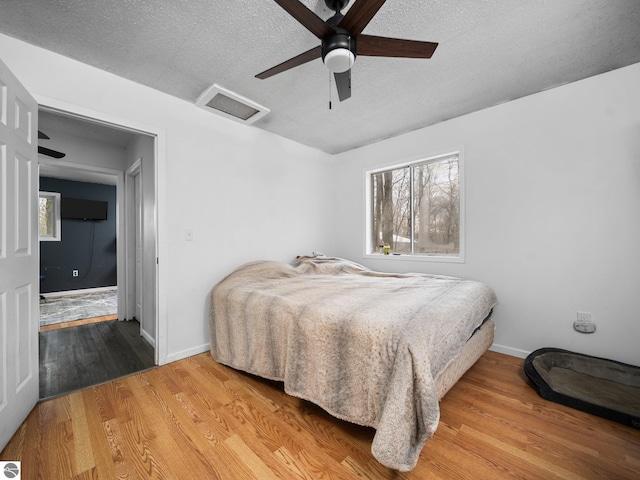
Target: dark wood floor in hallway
81,356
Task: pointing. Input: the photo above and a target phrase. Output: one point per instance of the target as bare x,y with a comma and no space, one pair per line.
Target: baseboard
148,338
190,352
78,292
514,352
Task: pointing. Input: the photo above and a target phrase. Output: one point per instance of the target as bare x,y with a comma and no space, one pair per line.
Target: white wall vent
229,104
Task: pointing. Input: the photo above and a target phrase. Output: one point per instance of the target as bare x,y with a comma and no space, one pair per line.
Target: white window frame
421,257
57,230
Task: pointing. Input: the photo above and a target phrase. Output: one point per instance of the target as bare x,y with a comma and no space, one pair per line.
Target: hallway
82,343
77,357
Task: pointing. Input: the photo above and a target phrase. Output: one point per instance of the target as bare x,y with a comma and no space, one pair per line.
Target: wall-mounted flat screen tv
80,209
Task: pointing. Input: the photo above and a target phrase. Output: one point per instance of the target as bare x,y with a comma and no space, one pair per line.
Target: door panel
24,366
18,254
23,205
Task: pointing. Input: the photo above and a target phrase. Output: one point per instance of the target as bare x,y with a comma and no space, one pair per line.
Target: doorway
138,306
78,270
119,346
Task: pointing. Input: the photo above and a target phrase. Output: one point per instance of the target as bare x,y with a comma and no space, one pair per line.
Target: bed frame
464,360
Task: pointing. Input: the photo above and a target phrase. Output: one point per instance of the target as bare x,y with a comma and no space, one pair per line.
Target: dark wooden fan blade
359,15
43,136
292,62
343,83
372,46
306,17
50,153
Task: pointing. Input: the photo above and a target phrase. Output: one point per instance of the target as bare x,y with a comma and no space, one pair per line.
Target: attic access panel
219,100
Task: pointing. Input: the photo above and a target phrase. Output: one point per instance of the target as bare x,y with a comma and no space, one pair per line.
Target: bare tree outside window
49,216
391,213
46,217
436,210
416,208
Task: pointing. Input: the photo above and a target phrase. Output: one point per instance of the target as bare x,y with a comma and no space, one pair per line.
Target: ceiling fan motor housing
336,5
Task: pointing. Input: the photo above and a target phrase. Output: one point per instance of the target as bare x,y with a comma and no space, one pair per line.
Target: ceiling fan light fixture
339,60
339,51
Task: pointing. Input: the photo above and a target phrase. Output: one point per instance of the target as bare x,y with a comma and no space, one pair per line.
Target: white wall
246,194
553,217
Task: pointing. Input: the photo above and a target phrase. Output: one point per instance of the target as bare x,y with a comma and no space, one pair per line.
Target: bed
376,349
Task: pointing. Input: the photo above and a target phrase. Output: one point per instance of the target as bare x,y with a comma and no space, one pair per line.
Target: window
49,216
415,209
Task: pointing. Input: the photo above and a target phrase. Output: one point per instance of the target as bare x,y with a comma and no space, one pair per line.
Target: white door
19,254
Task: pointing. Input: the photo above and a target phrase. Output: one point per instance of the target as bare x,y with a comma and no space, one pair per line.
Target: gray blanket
365,346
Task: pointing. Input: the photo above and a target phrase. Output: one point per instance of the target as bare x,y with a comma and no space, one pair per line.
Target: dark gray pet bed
595,385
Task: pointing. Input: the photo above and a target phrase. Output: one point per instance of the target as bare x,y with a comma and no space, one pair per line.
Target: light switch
188,235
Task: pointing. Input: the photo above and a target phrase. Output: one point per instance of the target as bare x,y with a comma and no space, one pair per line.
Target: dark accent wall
88,246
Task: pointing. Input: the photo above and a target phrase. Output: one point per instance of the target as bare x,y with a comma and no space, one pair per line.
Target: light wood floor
196,419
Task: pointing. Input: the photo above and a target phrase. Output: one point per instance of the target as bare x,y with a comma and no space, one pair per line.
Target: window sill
415,258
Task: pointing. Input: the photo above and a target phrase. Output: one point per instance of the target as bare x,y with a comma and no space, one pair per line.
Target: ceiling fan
342,40
47,151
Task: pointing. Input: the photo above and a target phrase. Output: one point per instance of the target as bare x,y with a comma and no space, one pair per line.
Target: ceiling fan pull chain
350,69
329,90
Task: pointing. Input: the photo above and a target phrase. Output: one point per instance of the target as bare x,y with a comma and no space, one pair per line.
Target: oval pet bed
595,385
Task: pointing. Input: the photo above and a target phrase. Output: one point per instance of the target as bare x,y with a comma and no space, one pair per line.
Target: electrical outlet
584,317
74,273
584,323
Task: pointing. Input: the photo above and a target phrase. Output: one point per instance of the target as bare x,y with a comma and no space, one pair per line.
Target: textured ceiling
490,51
